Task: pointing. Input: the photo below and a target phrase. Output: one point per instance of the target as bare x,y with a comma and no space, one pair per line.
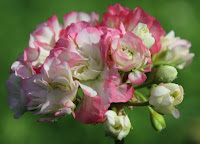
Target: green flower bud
165,74
157,120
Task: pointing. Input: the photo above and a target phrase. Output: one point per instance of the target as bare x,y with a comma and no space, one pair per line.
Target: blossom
82,45
44,37
99,94
17,99
53,90
142,31
129,54
130,19
42,40
115,15
103,60
174,51
164,97
82,48
74,17
116,126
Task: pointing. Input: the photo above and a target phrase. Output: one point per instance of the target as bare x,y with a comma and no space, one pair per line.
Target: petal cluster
89,68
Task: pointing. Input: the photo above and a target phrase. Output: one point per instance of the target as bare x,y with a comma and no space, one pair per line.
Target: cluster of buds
86,67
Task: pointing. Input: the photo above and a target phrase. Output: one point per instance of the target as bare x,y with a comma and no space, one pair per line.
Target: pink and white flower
174,51
17,99
44,37
129,54
53,91
99,94
74,17
81,47
42,40
117,14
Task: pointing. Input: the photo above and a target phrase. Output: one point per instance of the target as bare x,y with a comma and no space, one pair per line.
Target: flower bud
165,74
157,120
116,126
164,97
142,31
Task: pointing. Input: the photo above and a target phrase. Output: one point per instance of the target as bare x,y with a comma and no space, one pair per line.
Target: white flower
142,31
116,126
164,97
174,51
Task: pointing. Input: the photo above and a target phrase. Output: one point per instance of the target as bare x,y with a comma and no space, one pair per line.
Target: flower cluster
90,68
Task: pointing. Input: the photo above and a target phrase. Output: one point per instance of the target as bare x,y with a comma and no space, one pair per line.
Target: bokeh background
19,18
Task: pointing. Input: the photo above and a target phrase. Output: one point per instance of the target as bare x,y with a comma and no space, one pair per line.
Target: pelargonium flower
53,90
16,96
129,54
82,44
174,51
74,17
81,47
130,19
46,34
115,15
99,58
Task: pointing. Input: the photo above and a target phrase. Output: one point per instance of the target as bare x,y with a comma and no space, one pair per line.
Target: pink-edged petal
88,90
55,26
88,36
82,16
88,111
94,19
30,54
17,99
137,77
24,72
77,27
124,93
66,110
176,113
46,35
70,18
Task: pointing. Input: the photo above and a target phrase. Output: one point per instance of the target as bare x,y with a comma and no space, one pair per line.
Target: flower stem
146,103
143,85
143,98
119,142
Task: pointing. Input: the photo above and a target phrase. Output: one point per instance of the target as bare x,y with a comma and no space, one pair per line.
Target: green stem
143,98
143,85
145,103
119,142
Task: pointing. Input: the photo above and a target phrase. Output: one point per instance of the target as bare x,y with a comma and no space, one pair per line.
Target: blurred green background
19,18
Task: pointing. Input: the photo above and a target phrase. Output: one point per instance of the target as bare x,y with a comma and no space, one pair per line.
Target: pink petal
30,54
137,77
124,93
55,26
70,18
88,110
